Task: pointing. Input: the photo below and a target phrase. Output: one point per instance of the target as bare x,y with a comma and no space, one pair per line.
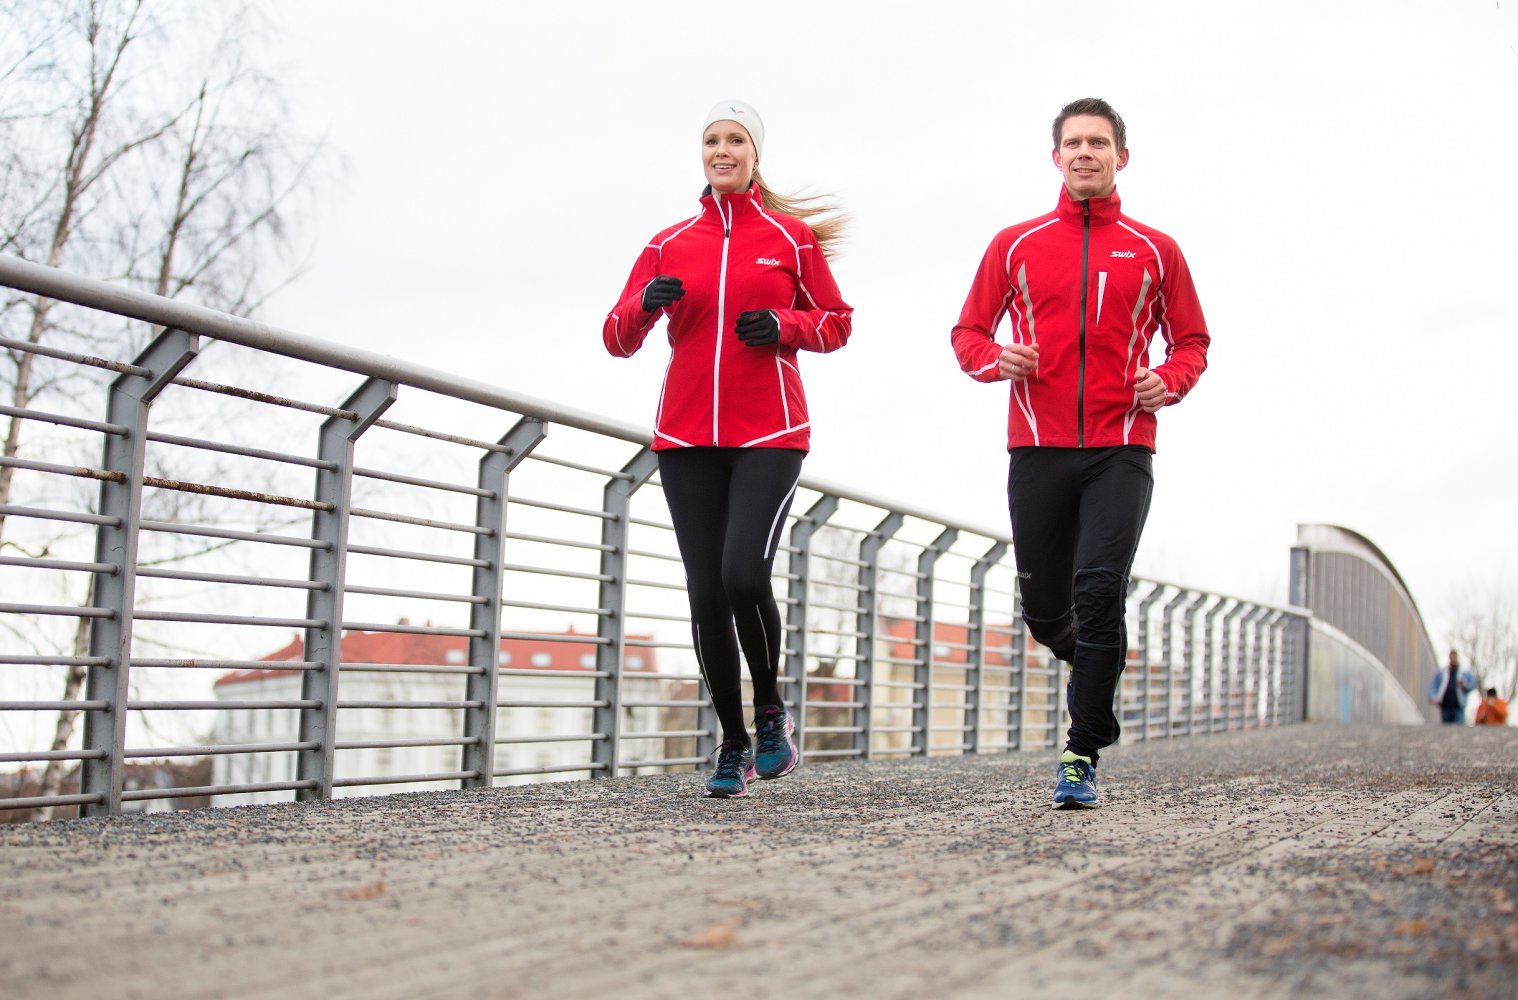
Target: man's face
1088,156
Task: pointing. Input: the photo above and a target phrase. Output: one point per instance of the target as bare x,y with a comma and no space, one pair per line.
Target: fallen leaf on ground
716,936
369,891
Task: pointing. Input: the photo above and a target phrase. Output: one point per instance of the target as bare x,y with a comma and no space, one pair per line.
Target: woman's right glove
660,292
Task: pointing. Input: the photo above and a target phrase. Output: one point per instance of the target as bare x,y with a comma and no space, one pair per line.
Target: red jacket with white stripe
733,257
1093,289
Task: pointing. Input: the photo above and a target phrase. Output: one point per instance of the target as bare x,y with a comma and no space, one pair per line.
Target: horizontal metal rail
47,801
213,749
398,779
393,744
515,772
432,484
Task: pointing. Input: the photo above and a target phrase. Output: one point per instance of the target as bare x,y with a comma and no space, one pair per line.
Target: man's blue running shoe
1076,786
777,755
735,766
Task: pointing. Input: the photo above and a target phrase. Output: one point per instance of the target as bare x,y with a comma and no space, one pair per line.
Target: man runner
1087,290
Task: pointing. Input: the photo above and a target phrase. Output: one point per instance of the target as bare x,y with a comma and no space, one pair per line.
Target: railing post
1259,621
976,640
1189,652
1216,686
1298,650
116,544
485,616
869,627
799,591
1274,628
329,566
1229,659
617,504
927,634
1143,654
1167,650
1020,666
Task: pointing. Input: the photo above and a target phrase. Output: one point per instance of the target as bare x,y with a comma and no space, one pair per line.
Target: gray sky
1337,174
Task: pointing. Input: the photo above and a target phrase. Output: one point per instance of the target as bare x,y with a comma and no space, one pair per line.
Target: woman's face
727,154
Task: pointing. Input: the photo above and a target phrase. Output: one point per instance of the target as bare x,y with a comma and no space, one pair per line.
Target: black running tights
728,507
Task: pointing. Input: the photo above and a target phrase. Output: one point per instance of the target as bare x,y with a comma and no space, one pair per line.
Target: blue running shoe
735,766
1076,786
777,755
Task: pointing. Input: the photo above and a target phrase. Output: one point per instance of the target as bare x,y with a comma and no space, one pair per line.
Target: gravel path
1305,861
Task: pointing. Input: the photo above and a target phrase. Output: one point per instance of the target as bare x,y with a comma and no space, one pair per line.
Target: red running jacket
735,256
1092,288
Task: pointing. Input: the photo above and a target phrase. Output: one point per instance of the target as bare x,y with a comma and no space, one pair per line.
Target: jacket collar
727,207
1104,211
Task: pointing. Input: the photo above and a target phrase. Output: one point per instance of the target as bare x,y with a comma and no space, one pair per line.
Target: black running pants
1077,514
728,507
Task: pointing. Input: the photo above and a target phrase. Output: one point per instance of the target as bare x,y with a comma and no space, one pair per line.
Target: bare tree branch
115,167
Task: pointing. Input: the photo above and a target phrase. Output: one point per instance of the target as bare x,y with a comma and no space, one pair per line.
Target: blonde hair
829,231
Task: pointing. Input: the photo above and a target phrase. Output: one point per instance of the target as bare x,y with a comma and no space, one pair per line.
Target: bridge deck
1353,862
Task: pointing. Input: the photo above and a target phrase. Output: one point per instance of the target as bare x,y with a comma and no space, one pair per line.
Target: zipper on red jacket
727,235
1080,388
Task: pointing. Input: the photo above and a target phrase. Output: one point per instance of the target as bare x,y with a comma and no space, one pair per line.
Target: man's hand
1017,361
1150,388
660,292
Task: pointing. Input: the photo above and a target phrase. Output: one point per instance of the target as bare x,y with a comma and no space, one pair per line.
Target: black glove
660,292
758,327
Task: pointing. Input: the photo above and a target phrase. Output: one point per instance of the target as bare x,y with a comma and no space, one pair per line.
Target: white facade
551,760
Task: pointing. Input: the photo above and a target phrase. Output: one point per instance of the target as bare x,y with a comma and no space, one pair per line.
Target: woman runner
745,286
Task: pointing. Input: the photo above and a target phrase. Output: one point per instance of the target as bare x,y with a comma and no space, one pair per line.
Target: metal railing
235,516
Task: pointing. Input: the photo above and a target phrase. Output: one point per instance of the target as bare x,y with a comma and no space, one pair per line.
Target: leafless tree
1485,634
141,143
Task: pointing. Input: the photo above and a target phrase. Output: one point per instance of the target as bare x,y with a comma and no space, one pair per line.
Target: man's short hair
1491,692
1093,106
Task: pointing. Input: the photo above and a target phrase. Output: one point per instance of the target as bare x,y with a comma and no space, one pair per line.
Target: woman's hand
758,327
661,292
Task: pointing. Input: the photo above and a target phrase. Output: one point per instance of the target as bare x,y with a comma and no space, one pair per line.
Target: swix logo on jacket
1092,288
734,257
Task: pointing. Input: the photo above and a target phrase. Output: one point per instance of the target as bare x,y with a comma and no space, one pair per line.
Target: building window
454,656
635,662
504,659
588,661
541,659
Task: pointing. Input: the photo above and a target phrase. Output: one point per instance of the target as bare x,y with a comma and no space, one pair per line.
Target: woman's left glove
758,327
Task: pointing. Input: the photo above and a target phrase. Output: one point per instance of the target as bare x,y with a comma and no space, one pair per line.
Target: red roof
409,647
902,630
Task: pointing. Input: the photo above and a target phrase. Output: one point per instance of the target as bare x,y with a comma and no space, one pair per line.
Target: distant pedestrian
1448,690
1492,711
1088,290
745,286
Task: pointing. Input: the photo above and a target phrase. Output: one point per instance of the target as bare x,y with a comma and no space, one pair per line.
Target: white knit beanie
742,113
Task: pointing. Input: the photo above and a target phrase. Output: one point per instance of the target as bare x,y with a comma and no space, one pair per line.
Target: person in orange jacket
1492,711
